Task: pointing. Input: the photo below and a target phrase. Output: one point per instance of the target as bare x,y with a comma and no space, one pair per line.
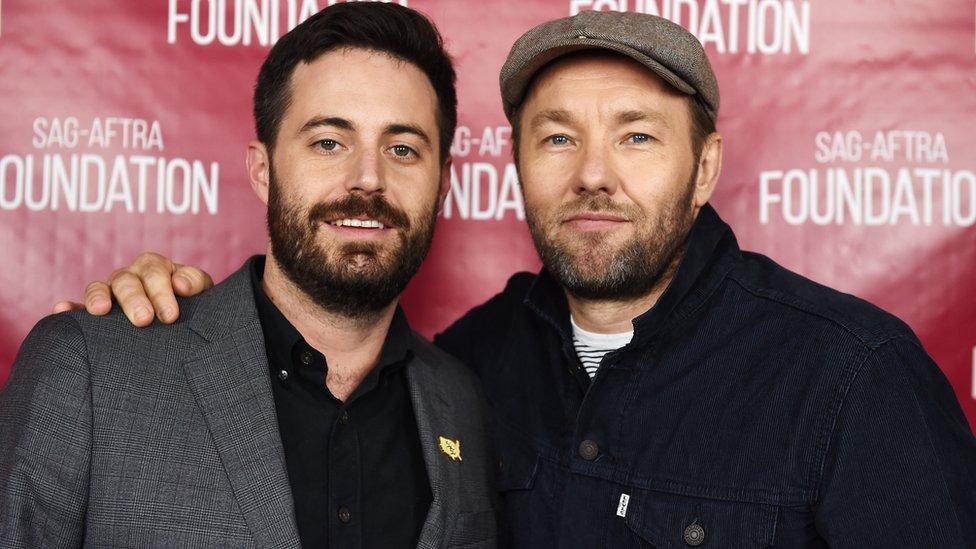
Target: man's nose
368,177
595,172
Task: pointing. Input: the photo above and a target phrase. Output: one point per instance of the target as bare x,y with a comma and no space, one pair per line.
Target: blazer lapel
434,420
229,378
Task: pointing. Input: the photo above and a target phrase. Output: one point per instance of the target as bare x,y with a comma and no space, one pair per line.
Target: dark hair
388,28
702,124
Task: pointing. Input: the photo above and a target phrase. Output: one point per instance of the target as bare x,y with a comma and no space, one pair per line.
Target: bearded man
292,405
654,385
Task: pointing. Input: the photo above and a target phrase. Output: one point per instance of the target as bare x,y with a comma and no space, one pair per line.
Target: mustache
591,204
374,206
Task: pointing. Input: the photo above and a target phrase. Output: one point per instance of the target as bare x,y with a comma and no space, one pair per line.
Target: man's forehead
613,85
361,86
621,112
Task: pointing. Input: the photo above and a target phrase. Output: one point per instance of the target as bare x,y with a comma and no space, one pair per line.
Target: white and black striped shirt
591,346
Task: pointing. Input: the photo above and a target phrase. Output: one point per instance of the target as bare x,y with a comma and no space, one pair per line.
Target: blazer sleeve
900,470
46,438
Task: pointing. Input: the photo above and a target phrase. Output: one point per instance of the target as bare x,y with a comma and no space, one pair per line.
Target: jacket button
344,417
283,375
588,450
306,357
344,515
694,534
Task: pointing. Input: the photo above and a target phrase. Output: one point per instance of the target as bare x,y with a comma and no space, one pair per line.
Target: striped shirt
591,346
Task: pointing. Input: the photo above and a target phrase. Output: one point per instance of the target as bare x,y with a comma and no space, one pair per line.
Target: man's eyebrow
406,127
320,121
343,124
634,115
559,116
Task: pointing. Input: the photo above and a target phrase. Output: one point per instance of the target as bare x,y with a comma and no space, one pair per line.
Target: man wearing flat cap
656,386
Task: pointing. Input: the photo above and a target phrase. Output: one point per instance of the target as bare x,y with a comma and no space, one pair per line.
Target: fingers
145,288
154,272
129,292
189,280
156,279
64,306
98,298
98,301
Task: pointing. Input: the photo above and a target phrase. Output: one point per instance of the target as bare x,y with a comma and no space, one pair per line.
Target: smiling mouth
357,223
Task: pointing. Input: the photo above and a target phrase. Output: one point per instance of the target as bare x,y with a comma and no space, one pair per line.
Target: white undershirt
591,346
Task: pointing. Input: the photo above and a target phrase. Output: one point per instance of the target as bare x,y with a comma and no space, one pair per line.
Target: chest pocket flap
675,521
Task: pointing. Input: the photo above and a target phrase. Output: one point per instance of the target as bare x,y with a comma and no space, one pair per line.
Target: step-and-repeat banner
848,125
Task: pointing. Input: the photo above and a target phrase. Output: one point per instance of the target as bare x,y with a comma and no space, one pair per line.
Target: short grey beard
639,268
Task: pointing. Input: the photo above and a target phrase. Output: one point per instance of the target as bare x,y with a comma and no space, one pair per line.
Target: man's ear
445,185
258,163
709,169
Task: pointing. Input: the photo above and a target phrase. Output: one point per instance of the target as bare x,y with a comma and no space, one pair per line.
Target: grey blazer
115,436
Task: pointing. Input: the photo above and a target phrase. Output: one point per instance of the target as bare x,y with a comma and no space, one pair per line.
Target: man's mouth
594,221
595,216
359,227
358,223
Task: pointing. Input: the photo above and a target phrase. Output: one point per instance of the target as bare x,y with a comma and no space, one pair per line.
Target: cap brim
516,86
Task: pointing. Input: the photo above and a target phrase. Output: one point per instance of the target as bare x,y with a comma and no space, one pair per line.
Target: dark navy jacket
753,408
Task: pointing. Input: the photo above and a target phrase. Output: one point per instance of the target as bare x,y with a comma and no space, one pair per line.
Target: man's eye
639,138
328,145
559,140
403,151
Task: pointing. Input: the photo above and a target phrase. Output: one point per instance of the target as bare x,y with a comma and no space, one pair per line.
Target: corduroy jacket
753,408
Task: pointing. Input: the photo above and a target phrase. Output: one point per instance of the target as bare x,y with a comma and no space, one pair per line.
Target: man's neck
351,346
616,316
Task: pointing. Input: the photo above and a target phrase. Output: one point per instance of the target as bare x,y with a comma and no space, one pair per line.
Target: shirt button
344,417
283,375
588,450
344,515
306,357
694,534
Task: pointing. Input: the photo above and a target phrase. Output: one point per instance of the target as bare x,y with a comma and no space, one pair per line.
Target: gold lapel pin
452,448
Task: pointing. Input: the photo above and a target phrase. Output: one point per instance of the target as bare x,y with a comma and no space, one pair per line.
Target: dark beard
642,264
353,280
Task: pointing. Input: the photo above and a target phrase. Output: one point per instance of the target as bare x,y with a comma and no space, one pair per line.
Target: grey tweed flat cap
665,48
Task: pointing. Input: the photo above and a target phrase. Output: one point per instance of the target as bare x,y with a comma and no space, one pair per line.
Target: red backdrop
847,124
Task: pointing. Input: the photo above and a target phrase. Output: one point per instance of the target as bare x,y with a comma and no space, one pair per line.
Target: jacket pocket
526,483
667,521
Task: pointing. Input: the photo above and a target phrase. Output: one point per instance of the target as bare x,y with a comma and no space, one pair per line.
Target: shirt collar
281,337
708,256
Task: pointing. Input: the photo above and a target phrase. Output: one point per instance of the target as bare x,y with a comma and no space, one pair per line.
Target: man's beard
589,268
358,279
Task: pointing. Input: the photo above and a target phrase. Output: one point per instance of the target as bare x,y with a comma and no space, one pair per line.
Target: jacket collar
229,378
435,417
709,255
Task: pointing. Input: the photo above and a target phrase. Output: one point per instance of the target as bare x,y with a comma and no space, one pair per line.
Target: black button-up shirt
356,468
753,408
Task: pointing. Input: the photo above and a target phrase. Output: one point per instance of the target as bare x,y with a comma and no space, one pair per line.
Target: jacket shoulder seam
803,307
